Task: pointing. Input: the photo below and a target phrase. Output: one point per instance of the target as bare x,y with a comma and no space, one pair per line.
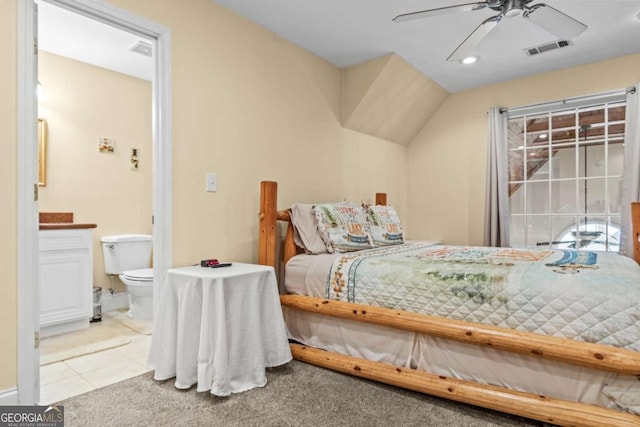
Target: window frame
582,218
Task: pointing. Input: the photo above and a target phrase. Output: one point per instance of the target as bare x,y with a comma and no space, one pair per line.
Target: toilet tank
124,252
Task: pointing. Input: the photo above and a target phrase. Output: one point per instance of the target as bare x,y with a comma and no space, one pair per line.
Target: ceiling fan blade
441,11
474,38
554,21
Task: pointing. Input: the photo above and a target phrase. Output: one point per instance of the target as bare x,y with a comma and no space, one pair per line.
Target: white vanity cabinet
66,276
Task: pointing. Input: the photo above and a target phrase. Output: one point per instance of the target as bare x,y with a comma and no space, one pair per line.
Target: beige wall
8,194
98,187
447,160
251,106
246,105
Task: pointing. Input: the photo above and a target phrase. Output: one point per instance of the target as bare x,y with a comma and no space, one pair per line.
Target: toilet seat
142,275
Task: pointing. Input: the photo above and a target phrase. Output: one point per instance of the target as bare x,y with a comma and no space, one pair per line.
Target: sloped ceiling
388,98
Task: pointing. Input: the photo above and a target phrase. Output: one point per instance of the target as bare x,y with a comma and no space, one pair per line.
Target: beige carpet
115,330
296,394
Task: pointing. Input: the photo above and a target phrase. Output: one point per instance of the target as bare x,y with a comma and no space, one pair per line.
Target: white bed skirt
449,358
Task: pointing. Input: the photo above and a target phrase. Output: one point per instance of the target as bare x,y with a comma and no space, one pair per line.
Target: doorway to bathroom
107,157
98,171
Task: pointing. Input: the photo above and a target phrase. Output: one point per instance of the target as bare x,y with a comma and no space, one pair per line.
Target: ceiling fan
542,15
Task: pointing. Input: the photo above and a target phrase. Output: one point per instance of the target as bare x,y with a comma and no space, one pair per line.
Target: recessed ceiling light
543,136
469,60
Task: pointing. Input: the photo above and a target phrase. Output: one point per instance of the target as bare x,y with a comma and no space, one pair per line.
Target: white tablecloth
219,328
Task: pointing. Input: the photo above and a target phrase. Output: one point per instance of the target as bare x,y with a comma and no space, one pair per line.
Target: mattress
588,296
312,275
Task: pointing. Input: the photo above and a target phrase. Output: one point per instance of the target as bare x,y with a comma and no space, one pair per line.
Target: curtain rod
559,103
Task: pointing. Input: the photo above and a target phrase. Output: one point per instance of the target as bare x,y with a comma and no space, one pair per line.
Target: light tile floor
83,373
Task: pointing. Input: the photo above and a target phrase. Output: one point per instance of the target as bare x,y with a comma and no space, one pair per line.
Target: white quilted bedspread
593,297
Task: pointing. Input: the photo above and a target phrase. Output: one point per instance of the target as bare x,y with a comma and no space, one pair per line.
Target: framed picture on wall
42,152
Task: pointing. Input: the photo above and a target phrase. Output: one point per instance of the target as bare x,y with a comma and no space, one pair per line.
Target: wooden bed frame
546,409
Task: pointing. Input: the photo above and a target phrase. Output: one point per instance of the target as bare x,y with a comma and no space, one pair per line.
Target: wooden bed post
267,223
635,230
381,198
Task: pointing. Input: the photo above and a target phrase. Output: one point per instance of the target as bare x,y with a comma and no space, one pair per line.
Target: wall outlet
212,182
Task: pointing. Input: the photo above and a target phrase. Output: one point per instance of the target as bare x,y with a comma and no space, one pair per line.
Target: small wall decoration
42,152
105,145
134,159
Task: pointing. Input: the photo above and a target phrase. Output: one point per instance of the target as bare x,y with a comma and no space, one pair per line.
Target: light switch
212,182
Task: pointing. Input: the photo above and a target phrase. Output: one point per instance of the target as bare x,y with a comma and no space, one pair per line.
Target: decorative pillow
385,226
343,228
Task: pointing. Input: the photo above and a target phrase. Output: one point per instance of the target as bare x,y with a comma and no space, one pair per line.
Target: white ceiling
347,32
74,36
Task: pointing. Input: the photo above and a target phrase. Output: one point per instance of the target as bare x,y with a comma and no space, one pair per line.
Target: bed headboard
268,231
635,230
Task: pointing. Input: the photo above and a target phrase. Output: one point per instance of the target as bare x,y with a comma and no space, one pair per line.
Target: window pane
593,234
563,197
537,197
563,136
563,120
617,112
591,196
563,163
515,134
516,200
516,229
516,165
537,161
616,159
615,188
591,160
538,229
614,223
613,234
591,116
537,130
561,227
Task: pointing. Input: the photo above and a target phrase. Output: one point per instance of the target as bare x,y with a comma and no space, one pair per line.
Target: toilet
129,257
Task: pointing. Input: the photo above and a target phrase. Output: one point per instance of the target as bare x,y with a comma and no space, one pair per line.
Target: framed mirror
42,152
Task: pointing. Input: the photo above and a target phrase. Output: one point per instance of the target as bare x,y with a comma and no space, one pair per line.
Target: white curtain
631,180
496,212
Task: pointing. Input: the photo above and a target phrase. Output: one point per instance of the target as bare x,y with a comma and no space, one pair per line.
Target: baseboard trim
9,397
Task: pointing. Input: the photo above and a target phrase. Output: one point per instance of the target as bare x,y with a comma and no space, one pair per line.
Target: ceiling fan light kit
546,17
469,60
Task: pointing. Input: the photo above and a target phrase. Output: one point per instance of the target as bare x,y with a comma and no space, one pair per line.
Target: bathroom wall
98,187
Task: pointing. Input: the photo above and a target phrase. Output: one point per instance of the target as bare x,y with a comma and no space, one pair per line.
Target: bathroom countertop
60,221
65,226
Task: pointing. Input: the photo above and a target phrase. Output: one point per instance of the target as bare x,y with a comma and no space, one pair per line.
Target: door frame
28,360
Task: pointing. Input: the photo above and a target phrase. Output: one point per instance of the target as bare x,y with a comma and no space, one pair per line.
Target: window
565,175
